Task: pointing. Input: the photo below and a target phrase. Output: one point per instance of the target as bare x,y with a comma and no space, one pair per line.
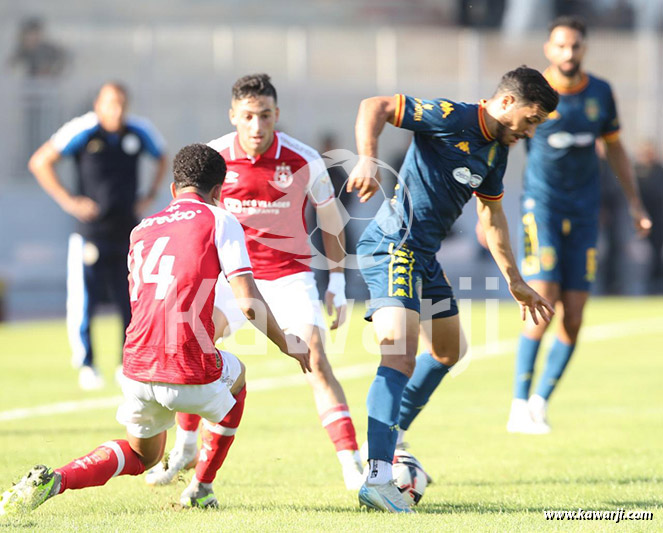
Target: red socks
112,458
217,439
341,431
188,422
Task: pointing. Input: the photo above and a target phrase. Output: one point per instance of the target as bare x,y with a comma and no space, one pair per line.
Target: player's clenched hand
341,310
364,178
83,208
531,300
299,350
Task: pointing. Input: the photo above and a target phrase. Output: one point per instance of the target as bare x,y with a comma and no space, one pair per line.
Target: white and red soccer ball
409,476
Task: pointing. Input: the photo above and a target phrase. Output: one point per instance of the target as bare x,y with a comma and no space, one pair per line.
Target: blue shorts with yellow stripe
400,277
556,247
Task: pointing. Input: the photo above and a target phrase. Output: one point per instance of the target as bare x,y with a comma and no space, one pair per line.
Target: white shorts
149,407
293,299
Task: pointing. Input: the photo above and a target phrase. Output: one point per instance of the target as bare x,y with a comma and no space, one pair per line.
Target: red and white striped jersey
175,258
268,195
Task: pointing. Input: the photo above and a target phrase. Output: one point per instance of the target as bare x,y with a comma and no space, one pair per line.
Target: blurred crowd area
179,59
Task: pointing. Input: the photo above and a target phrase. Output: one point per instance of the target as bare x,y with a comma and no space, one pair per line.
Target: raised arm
373,114
42,165
621,166
494,224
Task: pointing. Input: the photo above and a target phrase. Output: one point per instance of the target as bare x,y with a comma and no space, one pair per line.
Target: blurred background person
35,55
40,63
649,173
106,146
614,231
560,208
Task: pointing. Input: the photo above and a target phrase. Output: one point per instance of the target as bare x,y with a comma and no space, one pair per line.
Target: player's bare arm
42,165
334,244
496,229
373,114
144,203
248,297
620,165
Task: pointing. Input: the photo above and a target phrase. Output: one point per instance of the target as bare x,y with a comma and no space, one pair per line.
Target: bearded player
559,214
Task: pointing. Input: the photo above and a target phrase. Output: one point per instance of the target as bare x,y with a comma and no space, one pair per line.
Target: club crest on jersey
95,146
464,175
130,144
283,176
592,109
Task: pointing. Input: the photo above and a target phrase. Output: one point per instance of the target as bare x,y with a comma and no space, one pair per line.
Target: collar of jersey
188,196
273,152
575,89
482,121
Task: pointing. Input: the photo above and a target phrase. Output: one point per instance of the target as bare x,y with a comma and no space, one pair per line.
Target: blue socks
426,377
383,403
525,357
558,358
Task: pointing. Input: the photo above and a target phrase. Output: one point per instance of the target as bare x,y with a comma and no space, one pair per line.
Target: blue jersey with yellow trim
562,171
452,156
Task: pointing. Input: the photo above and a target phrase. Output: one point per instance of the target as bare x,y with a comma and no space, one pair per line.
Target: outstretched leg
113,458
334,412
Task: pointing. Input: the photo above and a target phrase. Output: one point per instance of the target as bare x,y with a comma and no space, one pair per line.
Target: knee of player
319,362
572,323
150,460
449,357
408,364
450,353
402,362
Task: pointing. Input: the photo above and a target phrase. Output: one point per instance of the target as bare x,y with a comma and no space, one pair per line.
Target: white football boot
538,410
89,378
385,497
520,420
178,459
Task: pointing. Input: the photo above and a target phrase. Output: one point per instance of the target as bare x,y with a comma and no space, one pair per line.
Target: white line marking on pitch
589,334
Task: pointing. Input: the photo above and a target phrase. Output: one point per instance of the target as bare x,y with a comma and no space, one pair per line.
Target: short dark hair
569,21
198,165
530,87
252,86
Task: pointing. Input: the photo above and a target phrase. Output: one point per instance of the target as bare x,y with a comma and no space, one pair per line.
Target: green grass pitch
605,451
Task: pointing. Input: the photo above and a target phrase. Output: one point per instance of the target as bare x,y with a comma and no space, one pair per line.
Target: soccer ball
409,476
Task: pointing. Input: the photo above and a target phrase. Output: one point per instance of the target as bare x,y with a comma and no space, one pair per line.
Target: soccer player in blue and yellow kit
458,150
560,206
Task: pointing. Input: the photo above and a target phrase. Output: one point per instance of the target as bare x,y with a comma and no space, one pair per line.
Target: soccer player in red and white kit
170,362
271,176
